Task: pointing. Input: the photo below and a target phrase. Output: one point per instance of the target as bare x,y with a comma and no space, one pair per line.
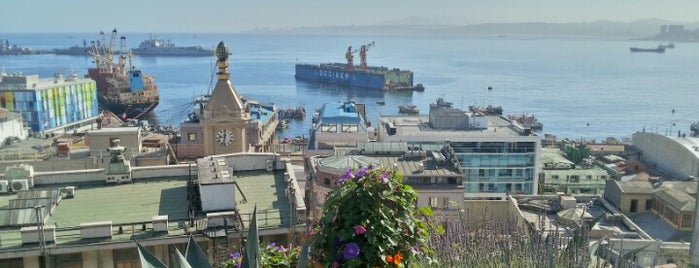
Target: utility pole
42,238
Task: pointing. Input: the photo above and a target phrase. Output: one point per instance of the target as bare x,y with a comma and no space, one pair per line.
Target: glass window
192,136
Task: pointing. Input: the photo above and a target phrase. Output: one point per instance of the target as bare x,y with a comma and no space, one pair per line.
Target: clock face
224,137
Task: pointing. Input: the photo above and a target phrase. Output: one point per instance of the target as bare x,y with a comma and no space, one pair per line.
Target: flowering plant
271,256
371,220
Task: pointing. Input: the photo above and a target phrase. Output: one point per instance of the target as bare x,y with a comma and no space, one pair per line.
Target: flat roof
340,112
112,130
408,166
635,187
553,155
416,128
131,206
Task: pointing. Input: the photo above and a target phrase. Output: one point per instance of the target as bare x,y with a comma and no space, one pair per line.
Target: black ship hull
134,110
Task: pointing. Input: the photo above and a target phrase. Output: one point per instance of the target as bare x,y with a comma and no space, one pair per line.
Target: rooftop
417,128
20,81
131,208
340,112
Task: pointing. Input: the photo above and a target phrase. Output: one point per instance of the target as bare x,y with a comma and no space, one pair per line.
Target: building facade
495,156
58,105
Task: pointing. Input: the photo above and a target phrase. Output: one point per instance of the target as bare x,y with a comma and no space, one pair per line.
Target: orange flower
389,259
398,258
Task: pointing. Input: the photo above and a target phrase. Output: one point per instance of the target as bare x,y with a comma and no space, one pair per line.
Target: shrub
371,220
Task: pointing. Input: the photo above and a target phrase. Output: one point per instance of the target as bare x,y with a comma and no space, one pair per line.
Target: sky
224,16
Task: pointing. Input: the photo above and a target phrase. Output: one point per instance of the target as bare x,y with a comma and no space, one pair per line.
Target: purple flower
384,177
336,265
234,255
350,251
347,176
361,172
359,229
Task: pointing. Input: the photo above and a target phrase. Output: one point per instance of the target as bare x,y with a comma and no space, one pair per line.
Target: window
589,177
481,187
555,177
326,182
439,202
192,136
649,204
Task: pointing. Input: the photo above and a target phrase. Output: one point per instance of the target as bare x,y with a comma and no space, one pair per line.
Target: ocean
578,88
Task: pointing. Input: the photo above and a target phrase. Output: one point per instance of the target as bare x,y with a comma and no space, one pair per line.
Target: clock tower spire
225,115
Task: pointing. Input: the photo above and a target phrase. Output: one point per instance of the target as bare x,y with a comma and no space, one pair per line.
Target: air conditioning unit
18,185
4,186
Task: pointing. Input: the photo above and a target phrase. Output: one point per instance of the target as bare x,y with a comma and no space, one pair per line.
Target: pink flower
312,232
336,265
384,177
359,229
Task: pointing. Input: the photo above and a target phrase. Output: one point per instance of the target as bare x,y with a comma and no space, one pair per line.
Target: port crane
362,54
349,55
350,58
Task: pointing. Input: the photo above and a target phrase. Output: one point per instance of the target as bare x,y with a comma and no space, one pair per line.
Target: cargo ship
658,49
124,91
157,47
361,76
74,50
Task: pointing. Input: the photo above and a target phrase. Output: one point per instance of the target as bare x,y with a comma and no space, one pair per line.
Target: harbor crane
362,54
350,58
349,55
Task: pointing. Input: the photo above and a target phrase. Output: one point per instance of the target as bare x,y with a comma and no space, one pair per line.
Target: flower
384,177
312,231
350,251
347,176
398,258
359,229
336,265
389,259
361,172
234,255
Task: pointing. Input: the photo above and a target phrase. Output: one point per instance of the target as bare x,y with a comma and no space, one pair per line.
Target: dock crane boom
362,54
350,58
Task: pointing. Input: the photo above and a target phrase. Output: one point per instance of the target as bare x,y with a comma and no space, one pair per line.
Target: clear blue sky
242,15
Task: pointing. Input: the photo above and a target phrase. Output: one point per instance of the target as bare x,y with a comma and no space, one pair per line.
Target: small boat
283,124
659,49
381,102
408,109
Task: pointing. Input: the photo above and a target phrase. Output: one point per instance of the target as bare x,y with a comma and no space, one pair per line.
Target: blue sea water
578,88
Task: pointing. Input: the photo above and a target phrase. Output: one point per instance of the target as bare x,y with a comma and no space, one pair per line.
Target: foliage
371,220
273,256
491,243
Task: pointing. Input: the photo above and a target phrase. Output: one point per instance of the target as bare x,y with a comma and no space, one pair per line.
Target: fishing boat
122,90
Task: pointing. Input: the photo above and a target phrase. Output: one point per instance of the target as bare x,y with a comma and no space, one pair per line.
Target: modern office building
495,155
56,105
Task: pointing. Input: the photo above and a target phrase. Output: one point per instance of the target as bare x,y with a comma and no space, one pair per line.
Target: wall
217,197
667,154
12,128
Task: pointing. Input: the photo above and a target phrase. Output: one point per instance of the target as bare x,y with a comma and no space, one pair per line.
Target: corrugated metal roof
349,161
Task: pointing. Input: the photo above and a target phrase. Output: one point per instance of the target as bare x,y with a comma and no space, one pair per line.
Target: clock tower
225,116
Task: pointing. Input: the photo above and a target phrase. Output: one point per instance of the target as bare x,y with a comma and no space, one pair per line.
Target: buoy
490,88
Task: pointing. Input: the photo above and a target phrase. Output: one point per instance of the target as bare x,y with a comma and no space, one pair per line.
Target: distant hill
425,26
